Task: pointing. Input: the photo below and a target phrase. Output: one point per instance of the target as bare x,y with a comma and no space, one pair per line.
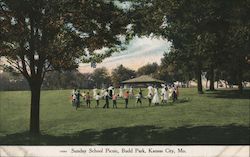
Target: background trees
120,74
149,69
206,36
100,78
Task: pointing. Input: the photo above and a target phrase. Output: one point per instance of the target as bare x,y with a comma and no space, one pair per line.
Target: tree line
101,78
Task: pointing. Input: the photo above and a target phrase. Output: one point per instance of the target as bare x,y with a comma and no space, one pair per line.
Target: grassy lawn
220,117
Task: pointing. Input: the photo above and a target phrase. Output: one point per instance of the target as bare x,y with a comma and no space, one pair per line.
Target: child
126,96
177,92
88,99
97,98
103,91
78,94
131,92
150,96
106,96
73,97
138,98
120,91
114,98
83,96
165,96
174,95
74,100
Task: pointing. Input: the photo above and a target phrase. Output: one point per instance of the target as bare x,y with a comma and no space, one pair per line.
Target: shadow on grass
140,135
229,94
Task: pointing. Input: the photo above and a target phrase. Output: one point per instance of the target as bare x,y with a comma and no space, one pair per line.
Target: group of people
108,94
166,92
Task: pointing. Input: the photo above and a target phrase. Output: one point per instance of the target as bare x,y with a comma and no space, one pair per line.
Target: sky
139,52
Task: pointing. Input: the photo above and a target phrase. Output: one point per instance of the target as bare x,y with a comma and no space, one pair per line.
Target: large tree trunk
199,81
211,85
35,108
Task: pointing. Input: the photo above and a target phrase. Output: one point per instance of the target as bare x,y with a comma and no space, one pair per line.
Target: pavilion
143,80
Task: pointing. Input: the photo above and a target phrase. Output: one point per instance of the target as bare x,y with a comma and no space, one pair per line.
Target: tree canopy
37,36
205,35
120,74
149,69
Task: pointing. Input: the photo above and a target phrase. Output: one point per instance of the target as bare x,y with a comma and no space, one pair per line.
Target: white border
119,151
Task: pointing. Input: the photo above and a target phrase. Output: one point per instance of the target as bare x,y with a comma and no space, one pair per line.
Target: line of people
126,94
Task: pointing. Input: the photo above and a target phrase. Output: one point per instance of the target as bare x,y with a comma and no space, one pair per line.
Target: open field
220,117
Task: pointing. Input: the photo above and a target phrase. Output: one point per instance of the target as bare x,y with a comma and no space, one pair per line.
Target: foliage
37,36
205,35
172,70
9,82
100,77
149,69
120,74
67,80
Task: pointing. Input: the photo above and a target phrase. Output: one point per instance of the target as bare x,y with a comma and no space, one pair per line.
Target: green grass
220,117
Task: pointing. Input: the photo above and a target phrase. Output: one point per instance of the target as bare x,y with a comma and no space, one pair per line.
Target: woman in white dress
103,92
156,98
131,92
94,92
170,92
150,91
120,92
111,90
162,92
165,95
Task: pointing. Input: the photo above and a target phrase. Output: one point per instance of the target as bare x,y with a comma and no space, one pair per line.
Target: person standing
103,93
156,99
120,91
106,96
78,94
138,98
111,90
131,92
114,98
170,93
174,95
73,97
94,92
165,96
97,98
73,92
177,92
126,96
88,99
83,96
74,100
150,96
150,90
163,89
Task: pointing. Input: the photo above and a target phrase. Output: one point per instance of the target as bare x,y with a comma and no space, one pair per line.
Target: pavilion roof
143,79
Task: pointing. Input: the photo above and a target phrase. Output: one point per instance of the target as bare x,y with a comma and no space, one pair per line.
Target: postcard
124,78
